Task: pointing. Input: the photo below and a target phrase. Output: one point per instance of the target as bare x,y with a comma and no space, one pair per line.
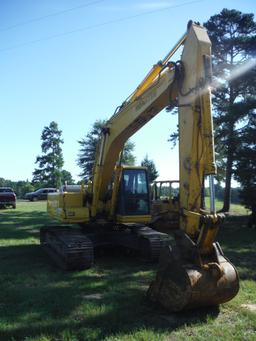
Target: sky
75,61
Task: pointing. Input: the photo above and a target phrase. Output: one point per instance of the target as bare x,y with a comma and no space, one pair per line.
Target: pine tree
233,37
245,166
152,171
128,157
87,151
88,147
50,163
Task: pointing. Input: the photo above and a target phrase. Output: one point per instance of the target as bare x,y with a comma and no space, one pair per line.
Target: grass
41,303
235,209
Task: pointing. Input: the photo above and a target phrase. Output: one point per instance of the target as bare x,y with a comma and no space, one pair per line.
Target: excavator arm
185,83
153,94
196,148
129,119
193,269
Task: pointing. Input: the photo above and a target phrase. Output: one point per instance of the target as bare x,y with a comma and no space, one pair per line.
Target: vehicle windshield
39,190
6,190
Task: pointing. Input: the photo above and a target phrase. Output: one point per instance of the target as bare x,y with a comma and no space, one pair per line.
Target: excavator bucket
188,280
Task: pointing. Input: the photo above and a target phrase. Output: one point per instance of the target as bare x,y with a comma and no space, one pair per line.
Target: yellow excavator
113,209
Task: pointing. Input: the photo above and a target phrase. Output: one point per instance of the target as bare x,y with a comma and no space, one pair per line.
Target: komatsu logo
146,99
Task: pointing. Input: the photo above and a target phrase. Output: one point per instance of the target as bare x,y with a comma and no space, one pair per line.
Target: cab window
133,193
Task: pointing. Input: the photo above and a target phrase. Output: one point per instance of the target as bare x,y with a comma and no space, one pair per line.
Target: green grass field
40,302
235,209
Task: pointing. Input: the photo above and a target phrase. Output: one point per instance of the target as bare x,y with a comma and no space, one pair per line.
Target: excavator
114,207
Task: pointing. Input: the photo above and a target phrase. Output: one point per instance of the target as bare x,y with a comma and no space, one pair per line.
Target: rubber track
151,242
70,249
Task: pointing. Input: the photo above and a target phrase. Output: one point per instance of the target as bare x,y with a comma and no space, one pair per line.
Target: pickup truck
7,197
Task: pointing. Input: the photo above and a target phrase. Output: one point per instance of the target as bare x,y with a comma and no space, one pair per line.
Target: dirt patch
251,307
93,296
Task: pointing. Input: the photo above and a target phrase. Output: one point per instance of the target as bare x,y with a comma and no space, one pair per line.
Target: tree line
233,36
49,171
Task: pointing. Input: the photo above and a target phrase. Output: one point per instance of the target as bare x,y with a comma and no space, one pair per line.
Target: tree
87,151
233,36
245,166
128,157
152,172
50,163
20,187
88,147
66,177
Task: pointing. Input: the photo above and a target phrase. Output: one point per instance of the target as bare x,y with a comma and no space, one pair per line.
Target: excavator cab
133,203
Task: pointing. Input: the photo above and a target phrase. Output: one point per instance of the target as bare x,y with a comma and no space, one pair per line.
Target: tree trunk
203,206
229,172
252,218
230,151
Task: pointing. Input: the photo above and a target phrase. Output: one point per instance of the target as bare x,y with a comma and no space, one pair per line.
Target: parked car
40,194
7,197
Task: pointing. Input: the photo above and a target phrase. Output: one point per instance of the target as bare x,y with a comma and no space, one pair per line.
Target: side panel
68,207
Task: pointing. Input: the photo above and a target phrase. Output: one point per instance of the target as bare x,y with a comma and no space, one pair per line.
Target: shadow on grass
38,299
239,244
22,225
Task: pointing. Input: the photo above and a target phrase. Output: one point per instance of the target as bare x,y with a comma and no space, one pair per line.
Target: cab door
133,198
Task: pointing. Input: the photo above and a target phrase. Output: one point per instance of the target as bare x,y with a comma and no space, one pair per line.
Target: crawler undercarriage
74,248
